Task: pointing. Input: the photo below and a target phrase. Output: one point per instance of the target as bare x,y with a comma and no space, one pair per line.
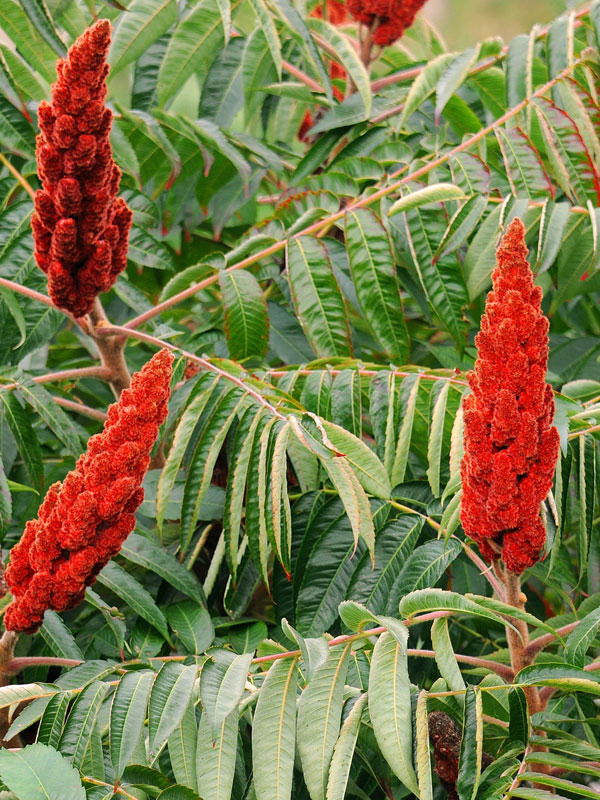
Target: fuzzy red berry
83,522
511,447
388,18
80,227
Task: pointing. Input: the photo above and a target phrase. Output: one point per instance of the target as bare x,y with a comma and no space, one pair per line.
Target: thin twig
66,374
591,429
534,647
19,664
114,789
280,373
500,669
17,175
302,77
485,569
80,408
31,293
521,770
107,330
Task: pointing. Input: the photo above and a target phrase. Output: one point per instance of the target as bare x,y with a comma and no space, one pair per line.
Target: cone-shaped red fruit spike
83,522
511,447
80,226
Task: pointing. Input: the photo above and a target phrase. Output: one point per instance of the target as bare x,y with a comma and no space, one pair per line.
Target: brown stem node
111,350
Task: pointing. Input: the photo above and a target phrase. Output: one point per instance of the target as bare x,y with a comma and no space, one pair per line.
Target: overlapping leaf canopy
325,294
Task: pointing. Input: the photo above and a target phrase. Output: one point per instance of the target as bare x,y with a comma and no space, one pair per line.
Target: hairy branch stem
110,349
66,374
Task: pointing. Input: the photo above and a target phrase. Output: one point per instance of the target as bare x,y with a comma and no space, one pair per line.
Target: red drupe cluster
80,227
336,12
511,447
392,17
83,522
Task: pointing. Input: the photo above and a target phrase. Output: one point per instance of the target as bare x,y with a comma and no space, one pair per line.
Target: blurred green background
462,22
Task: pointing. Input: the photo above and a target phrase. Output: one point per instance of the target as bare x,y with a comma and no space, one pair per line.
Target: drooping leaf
59,638
25,437
587,483
444,655
368,468
348,57
435,442
567,153
394,543
404,438
16,132
471,748
317,297
423,568
222,685
453,76
423,759
192,624
127,714
462,224
425,84
170,696
40,771
246,317
223,90
183,432
269,29
442,278
274,732
552,229
182,749
137,29
375,281
118,580
53,720
147,553
524,167
40,18
341,761
328,562
518,730
76,736
202,461
319,715
582,638
215,758
390,707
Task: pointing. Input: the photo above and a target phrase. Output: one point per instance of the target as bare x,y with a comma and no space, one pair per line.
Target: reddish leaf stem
66,374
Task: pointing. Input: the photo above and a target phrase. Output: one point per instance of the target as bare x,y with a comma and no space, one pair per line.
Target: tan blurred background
463,22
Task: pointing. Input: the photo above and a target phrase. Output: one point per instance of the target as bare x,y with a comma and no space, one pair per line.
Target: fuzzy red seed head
83,522
388,18
511,448
79,220
335,12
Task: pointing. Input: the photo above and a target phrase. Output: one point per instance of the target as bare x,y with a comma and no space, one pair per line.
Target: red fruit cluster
336,12
83,522
511,447
80,227
392,17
